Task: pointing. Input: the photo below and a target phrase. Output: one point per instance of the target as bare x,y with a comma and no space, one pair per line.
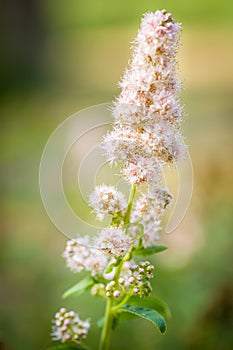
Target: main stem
106,330
130,204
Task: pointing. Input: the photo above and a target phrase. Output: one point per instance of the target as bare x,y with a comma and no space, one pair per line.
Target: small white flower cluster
113,241
151,81
148,111
111,290
95,255
68,327
148,211
106,200
80,256
98,289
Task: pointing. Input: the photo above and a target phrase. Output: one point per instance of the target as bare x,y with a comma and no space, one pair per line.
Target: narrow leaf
149,251
146,313
80,287
154,303
115,264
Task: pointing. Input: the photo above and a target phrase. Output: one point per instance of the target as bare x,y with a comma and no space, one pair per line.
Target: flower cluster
141,275
81,256
151,80
95,255
148,111
106,200
111,290
113,241
136,280
68,327
148,211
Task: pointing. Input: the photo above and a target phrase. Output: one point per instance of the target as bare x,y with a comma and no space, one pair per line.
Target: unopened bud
116,294
150,268
149,276
131,280
58,323
68,336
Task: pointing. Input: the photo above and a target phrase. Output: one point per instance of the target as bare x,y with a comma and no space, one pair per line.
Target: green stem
106,331
130,204
118,269
121,303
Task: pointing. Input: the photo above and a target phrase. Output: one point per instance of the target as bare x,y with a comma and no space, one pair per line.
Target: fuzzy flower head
113,241
151,80
67,327
80,255
144,170
148,211
106,200
159,142
146,134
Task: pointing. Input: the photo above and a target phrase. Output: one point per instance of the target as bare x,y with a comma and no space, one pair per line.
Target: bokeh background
58,57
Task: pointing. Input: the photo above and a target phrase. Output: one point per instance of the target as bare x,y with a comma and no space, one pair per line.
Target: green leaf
149,251
154,303
80,287
125,316
146,313
115,264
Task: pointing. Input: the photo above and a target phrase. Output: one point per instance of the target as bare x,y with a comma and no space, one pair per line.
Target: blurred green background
58,57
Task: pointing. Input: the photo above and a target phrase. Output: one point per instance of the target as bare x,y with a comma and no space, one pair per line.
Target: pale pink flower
106,200
148,111
148,211
80,255
113,241
67,327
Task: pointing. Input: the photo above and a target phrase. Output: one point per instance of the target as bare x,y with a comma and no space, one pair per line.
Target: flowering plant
146,136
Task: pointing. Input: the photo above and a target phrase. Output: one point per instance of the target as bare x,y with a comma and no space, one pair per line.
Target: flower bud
116,293
150,268
131,280
121,280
